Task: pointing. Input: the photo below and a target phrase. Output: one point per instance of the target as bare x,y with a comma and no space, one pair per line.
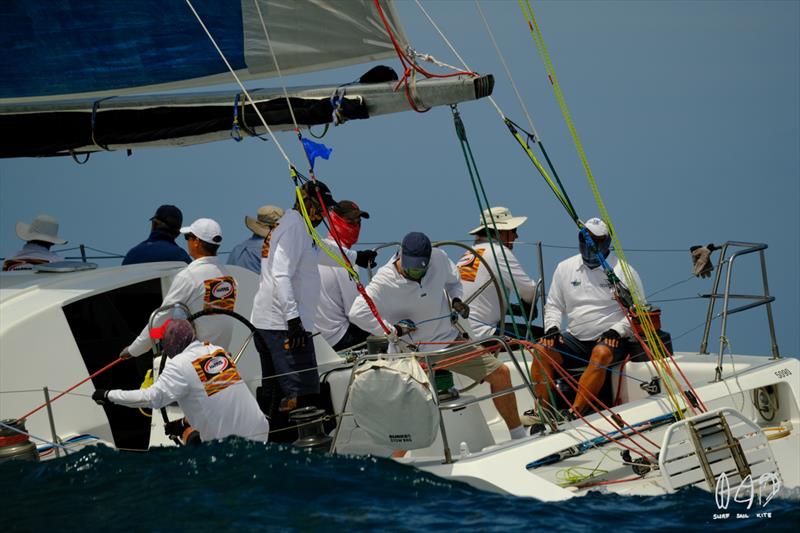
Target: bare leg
542,371
506,405
593,377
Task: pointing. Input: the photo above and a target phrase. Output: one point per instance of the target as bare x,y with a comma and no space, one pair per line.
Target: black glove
366,258
404,327
552,332
523,309
460,307
175,428
701,260
297,335
100,397
610,337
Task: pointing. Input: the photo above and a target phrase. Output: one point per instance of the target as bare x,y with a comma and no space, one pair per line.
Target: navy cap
324,192
169,215
416,250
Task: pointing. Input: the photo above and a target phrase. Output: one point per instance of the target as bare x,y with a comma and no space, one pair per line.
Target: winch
310,432
15,443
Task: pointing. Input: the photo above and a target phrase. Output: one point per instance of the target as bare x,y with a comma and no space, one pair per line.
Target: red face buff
347,233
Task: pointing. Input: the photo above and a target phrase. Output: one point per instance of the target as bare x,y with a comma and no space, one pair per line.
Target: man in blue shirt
165,226
247,254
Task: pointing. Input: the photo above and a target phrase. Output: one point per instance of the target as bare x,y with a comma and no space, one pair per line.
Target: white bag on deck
392,401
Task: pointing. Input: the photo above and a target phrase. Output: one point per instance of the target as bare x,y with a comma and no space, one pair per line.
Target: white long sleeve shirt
585,296
204,283
208,388
485,312
336,296
398,298
289,285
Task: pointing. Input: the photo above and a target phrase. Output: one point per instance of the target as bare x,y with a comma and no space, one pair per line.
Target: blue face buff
590,258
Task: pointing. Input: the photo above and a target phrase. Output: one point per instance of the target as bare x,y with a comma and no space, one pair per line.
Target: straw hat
43,228
268,216
502,217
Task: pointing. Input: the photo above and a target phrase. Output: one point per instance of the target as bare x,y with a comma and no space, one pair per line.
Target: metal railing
757,300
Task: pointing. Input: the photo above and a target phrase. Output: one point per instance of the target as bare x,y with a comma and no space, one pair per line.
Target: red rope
109,365
572,383
647,351
408,64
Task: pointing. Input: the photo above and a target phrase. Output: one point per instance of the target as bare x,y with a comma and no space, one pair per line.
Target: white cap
205,229
502,217
596,227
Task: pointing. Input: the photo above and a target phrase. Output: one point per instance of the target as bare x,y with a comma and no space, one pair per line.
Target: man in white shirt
287,298
338,291
597,328
39,236
485,313
205,382
411,292
204,284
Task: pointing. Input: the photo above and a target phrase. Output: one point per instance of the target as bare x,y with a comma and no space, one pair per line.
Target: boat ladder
716,444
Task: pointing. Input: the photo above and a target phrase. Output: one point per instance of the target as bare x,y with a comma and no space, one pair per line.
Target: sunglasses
415,273
189,236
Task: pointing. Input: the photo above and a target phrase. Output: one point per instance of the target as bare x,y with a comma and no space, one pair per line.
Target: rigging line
12,428
508,71
681,282
275,60
239,82
684,299
560,194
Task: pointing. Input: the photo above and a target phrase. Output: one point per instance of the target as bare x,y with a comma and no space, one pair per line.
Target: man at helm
247,254
204,284
411,292
485,311
206,384
597,328
288,294
338,291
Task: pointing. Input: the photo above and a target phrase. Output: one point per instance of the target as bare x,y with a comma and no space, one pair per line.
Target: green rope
477,182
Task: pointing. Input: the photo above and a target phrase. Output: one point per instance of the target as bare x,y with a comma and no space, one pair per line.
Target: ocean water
244,486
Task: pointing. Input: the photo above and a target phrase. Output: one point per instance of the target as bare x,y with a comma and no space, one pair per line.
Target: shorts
476,368
576,353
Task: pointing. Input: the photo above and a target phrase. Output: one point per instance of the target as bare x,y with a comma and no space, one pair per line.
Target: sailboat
86,314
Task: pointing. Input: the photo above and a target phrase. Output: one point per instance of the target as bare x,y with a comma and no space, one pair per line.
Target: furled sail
77,76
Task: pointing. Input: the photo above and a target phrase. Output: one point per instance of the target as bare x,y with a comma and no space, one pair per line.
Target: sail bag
391,400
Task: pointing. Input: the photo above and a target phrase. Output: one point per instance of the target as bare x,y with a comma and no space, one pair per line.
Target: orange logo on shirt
468,265
220,293
216,372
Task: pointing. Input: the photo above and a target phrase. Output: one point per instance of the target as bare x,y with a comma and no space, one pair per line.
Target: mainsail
69,69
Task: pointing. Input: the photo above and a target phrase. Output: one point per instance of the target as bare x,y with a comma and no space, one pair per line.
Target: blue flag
315,150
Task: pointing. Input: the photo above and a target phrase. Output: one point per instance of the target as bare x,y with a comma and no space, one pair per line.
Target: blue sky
689,113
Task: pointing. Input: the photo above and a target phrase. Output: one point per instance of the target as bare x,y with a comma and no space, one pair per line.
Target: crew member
413,292
338,291
165,226
597,328
247,254
287,298
485,312
205,382
204,284
39,236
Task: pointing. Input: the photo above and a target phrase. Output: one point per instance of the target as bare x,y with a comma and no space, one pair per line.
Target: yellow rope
315,235
659,355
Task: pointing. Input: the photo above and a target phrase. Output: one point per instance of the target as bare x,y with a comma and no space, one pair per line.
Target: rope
12,428
109,365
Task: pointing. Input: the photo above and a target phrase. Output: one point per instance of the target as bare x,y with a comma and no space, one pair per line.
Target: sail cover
60,49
